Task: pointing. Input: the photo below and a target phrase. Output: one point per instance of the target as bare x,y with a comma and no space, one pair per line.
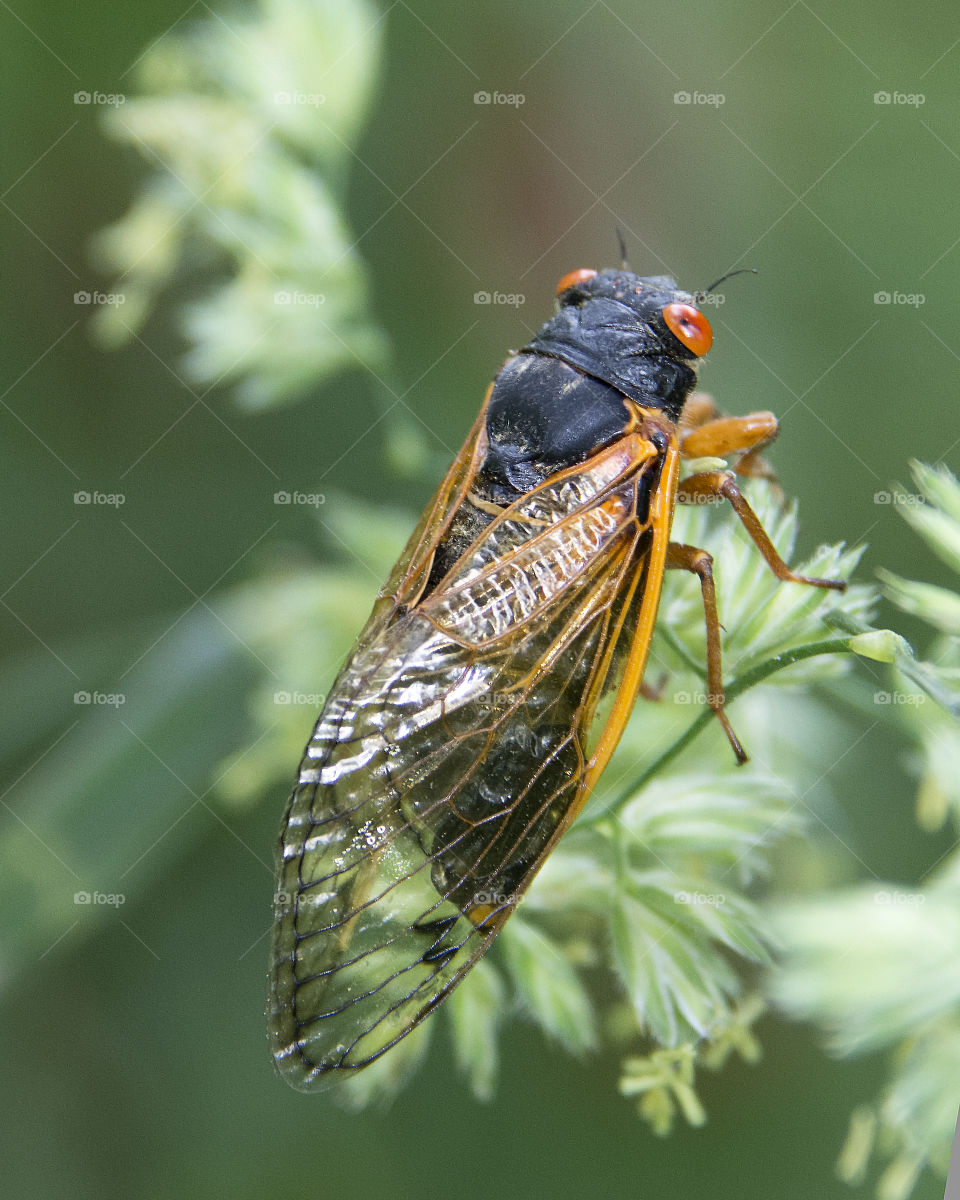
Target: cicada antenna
623,249
698,296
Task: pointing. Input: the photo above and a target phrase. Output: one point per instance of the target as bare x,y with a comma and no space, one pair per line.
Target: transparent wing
445,762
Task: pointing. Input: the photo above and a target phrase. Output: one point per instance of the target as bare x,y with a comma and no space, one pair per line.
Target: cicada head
643,335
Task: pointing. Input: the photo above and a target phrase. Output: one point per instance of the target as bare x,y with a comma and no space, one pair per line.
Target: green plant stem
734,689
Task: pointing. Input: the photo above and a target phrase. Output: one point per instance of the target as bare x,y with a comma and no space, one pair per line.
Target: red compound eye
572,278
689,326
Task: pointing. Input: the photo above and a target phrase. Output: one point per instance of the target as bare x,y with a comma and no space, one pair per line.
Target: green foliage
249,172
878,966
90,818
664,1080
248,129
548,985
475,1015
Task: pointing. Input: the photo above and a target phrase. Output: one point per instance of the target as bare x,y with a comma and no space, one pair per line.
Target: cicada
499,666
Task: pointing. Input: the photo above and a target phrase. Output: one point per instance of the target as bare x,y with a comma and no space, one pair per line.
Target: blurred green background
133,1040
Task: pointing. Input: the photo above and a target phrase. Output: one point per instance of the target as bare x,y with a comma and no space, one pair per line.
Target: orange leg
706,433
720,485
700,563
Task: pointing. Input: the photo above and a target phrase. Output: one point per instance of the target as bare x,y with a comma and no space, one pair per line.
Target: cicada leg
721,485
704,433
700,563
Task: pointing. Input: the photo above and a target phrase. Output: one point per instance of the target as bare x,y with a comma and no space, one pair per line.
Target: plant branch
736,687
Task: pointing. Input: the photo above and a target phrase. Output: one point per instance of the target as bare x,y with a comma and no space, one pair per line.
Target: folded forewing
449,752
